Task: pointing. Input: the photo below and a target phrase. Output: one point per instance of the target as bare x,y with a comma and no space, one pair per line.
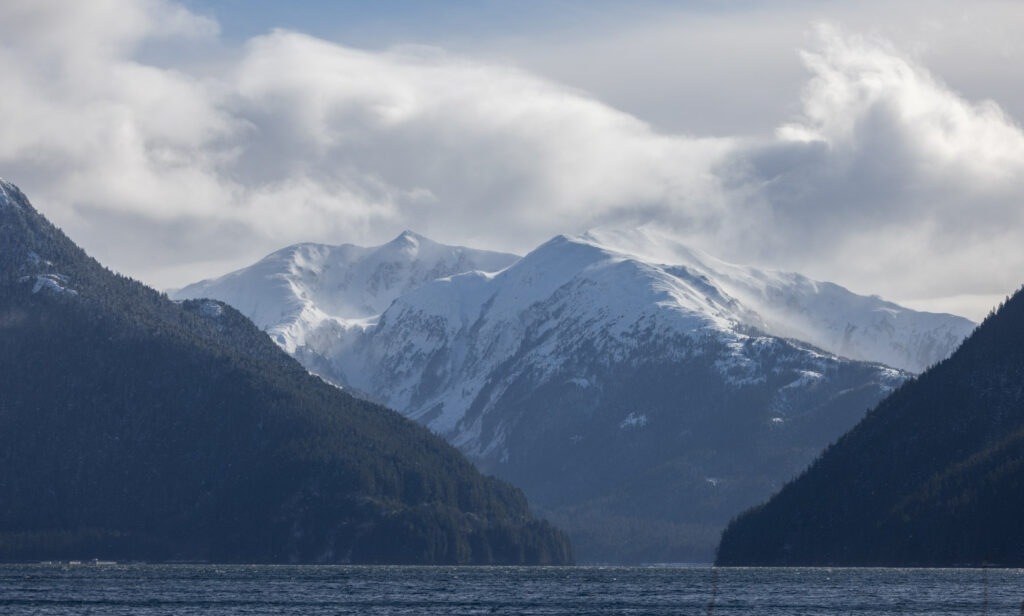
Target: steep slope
619,394
135,427
932,476
304,294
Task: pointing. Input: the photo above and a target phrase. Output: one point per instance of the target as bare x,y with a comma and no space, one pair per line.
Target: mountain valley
619,391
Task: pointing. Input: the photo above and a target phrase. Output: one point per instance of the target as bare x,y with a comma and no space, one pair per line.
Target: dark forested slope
135,427
933,476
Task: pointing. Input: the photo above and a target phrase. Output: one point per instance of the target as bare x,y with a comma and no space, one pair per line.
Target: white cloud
859,82
447,140
891,180
887,180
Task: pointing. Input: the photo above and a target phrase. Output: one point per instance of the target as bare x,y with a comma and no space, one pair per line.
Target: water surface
654,591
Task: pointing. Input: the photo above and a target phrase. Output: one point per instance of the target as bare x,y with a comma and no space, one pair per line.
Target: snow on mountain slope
401,324
445,353
305,295
607,387
824,314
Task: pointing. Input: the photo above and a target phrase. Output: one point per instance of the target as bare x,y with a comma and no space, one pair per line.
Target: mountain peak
11,196
563,245
409,236
408,245
409,239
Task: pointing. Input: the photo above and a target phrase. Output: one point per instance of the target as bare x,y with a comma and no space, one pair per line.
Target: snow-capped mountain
448,352
304,294
616,388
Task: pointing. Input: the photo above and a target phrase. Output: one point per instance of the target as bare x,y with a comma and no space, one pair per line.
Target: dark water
336,590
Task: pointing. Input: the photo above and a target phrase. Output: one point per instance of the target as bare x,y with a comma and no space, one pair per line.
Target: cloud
442,140
886,179
300,139
887,168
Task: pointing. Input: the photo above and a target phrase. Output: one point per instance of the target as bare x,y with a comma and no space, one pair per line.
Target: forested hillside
932,476
134,427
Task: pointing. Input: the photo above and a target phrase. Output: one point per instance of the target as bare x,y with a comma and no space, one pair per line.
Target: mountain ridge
790,305
308,287
782,304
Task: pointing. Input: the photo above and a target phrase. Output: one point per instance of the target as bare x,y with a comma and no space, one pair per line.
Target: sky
873,144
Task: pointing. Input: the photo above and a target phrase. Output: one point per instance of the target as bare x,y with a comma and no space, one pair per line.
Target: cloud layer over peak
887,168
173,165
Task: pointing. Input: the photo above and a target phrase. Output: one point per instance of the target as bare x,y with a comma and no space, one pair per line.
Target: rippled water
338,590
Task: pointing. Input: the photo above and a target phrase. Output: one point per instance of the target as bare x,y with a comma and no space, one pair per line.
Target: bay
342,590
